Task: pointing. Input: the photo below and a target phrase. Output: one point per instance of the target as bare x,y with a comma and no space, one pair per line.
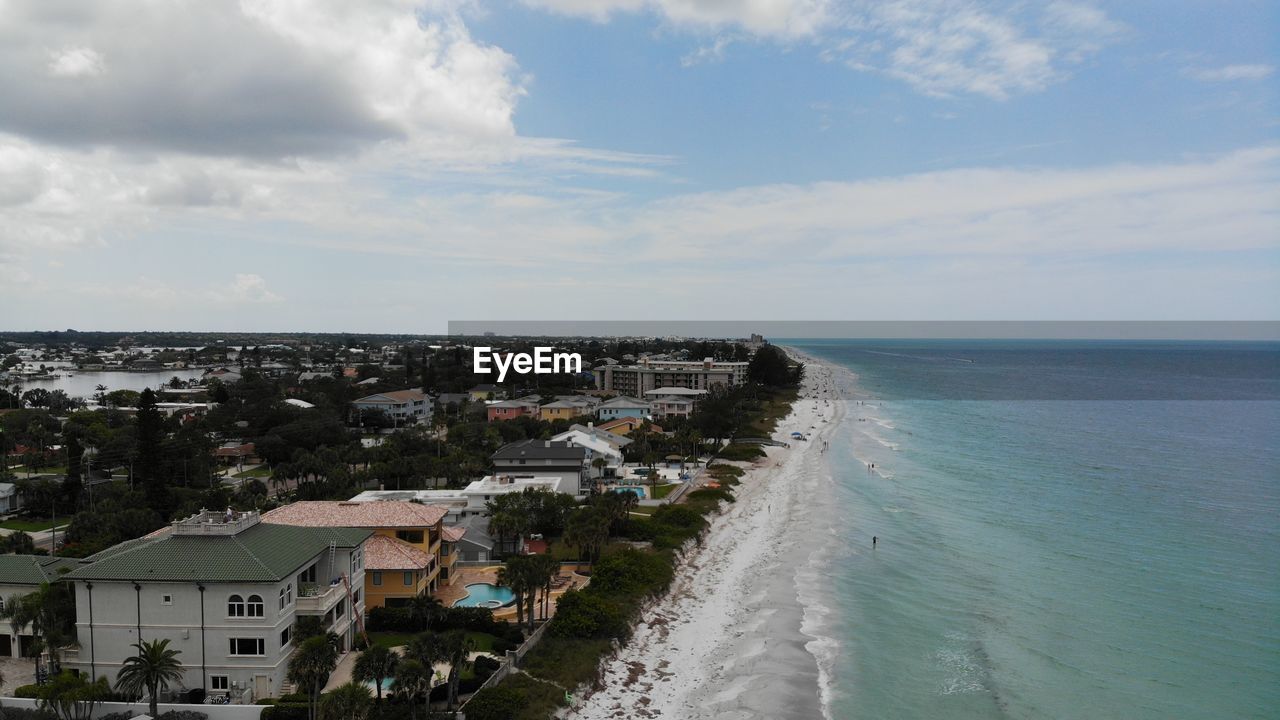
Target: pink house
509,409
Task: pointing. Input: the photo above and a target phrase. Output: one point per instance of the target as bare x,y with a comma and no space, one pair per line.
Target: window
166,599
308,575
357,560
408,579
255,606
235,606
284,601
377,578
355,597
410,536
340,610
219,682
285,636
248,647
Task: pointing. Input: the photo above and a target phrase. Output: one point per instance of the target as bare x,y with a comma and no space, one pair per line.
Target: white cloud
939,47
1229,73
245,288
253,79
772,18
77,62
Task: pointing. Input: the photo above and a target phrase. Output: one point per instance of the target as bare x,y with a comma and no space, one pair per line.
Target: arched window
256,608
283,602
235,606
289,594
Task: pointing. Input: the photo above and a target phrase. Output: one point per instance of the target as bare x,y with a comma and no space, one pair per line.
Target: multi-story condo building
21,575
225,589
647,375
404,407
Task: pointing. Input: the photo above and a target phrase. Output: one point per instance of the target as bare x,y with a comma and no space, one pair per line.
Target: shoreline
733,638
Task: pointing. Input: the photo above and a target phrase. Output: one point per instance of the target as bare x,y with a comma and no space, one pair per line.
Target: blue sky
392,166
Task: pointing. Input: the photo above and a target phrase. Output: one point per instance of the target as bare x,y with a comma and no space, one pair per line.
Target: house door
261,687
6,646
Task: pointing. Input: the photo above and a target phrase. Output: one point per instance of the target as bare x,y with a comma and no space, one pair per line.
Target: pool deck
451,594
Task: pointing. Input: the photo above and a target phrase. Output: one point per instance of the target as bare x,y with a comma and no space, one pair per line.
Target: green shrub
581,614
630,572
741,452
29,692
286,711
496,703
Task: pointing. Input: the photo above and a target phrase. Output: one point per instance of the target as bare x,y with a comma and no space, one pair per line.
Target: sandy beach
729,641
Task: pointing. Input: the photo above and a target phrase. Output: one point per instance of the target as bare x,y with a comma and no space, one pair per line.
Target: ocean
1065,530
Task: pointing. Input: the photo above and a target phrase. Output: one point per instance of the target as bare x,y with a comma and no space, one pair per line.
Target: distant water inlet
486,595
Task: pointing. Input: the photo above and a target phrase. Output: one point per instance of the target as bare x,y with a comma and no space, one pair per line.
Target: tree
541,571
50,612
152,669
514,574
455,649
150,436
495,703
587,530
310,667
413,681
349,701
72,697
18,543
375,664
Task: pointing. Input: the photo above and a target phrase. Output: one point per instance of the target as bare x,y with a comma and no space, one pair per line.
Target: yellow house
559,410
403,558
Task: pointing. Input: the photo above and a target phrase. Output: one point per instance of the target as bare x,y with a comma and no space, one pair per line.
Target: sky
390,166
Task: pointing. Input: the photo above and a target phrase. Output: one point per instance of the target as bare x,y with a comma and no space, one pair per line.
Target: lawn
30,525
662,490
262,472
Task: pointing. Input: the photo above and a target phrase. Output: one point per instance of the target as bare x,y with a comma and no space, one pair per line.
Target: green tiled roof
261,553
32,569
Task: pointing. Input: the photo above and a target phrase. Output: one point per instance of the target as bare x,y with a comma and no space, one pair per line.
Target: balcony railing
316,599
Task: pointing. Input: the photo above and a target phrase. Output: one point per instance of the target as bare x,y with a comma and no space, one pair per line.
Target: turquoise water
1057,558
486,595
637,491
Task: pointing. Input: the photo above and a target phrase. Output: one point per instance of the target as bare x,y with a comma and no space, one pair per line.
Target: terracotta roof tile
388,553
343,513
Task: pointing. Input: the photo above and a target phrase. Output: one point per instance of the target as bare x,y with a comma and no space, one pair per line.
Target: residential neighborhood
296,490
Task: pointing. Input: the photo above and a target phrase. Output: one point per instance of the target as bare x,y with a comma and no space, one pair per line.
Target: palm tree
310,667
542,570
152,669
588,530
425,610
413,680
455,649
514,575
349,701
424,648
375,665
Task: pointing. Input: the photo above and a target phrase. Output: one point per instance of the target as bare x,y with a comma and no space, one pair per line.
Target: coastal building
21,575
225,589
599,444
510,409
649,374
403,557
486,391
626,425
669,406
10,499
404,407
471,501
560,460
623,406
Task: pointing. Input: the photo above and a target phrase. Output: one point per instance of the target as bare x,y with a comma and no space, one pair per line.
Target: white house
404,407
225,589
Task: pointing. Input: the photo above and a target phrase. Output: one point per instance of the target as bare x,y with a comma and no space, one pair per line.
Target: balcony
319,599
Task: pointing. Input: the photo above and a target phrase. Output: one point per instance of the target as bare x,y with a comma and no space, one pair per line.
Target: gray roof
540,450
623,401
264,552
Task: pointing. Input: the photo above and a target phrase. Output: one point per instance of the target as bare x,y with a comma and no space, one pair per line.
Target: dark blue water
1067,530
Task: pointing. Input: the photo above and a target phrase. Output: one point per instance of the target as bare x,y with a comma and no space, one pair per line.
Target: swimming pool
486,596
638,491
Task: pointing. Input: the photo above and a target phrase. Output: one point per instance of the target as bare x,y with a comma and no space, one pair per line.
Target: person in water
874,540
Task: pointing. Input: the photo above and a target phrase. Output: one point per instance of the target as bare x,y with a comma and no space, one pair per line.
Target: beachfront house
22,575
599,444
403,558
225,589
510,409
